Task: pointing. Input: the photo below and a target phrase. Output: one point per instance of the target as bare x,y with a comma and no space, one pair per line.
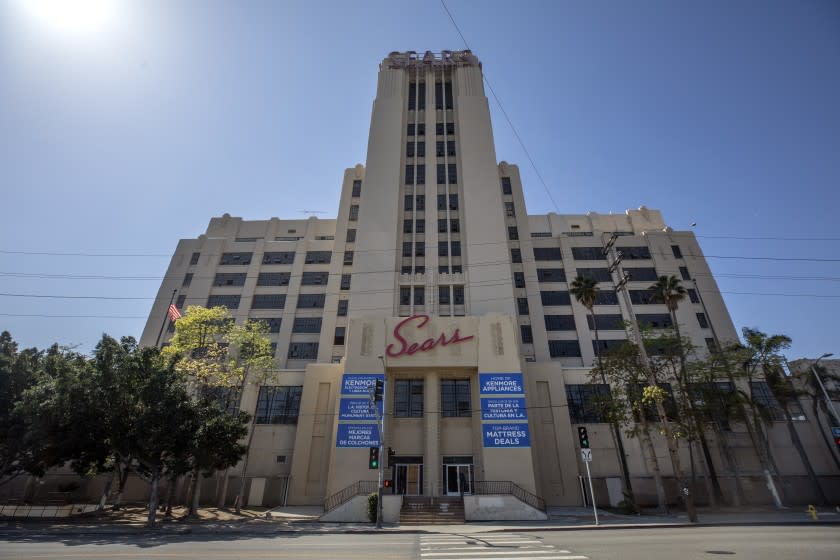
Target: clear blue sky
125,133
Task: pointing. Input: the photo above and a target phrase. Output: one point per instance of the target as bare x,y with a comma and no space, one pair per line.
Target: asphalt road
765,543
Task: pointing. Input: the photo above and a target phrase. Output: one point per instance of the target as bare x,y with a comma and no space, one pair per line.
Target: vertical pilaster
431,458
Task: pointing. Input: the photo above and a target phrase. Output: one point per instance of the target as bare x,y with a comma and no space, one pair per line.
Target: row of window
417,96
266,301
273,279
418,202
445,248
454,398
442,149
418,172
440,128
446,295
443,269
419,226
283,257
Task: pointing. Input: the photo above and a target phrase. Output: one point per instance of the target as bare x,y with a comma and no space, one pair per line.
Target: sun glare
72,16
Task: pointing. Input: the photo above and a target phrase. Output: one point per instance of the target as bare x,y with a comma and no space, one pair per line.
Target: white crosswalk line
552,557
485,546
476,546
485,552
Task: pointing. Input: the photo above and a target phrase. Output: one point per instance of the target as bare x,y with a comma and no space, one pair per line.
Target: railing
360,487
48,511
508,487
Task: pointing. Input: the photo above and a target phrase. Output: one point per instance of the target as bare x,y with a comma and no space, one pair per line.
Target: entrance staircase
424,510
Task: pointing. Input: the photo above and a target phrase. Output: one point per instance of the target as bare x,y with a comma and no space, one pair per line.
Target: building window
441,202
711,345
453,201
450,129
351,236
273,279
421,172
453,174
407,226
232,279
692,295
278,257
442,225
268,301
597,274
701,318
458,295
450,148
684,273
441,174
421,129
559,322
348,258
439,129
642,274
522,305
766,400
406,251
515,256
271,323
229,301
506,187
443,295
318,257
409,202
420,201
419,249
310,301
438,96
307,325
551,275
338,339
509,211
443,269
607,322
634,253
314,278
236,258
227,398
278,405
447,88
455,248
547,254
405,295
642,297
454,226
421,149
440,149
456,268
409,174
179,303
409,152
345,281
606,297
354,212
410,131
421,96
357,188
419,295
655,320
342,308
303,351
513,233
412,96
585,403
677,252
564,349
443,248
603,347
555,297
526,333
587,253
455,398
187,279
194,258
420,226
519,279
408,398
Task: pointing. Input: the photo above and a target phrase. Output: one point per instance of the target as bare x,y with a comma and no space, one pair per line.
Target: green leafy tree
585,290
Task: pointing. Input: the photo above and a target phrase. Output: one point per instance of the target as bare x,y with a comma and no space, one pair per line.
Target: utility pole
377,395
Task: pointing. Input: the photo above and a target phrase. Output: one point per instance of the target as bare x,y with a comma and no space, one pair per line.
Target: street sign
586,455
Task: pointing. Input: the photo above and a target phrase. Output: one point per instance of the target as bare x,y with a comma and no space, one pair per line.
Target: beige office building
435,277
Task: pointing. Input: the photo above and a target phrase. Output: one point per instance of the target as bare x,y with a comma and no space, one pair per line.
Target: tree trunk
241,494
731,462
653,462
153,499
104,499
121,487
222,494
797,443
615,428
193,496
170,495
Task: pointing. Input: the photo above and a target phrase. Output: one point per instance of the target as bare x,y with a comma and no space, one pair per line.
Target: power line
798,259
60,254
46,315
760,238
507,117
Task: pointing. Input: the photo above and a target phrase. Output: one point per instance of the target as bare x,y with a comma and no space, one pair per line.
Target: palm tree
814,392
586,290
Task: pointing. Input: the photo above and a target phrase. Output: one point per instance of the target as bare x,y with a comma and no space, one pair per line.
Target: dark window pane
551,275
273,279
303,351
587,253
455,398
318,257
522,305
519,279
642,274
547,254
585,402
268,301
515,256
236,258
282,257
357,188
559,322
564,348
229,279
314,278
526,334
607,322
231,302
597,274
278,405
194,258
342,308
634,253
310,301
408,398
506,187
555,298
684,273
677,252
655,320
309,325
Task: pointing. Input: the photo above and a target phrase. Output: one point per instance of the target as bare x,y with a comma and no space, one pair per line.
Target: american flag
173,312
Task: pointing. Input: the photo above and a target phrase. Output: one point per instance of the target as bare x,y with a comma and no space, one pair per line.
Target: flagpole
165,317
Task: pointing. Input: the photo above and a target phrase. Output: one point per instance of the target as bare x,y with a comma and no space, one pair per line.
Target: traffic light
378,389
386,483
583,437
373,458
391,454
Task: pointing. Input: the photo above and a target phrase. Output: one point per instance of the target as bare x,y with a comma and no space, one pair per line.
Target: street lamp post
822,387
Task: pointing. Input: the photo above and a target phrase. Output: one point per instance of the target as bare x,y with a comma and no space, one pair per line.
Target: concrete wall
499,508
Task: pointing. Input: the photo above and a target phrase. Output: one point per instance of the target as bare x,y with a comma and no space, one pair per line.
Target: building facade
434,277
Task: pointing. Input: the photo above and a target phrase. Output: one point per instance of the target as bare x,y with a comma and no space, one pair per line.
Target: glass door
409,479
458,479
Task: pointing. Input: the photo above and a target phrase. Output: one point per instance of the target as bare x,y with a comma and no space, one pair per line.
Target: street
782,542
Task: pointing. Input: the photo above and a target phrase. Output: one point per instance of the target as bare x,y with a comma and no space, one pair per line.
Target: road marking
477,546
491,553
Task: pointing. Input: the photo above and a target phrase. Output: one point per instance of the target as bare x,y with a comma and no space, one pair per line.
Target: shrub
372,498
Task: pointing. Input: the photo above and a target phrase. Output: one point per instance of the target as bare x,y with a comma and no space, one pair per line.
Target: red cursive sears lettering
428,344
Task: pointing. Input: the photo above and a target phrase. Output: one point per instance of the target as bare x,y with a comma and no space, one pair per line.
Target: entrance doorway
458,479
408,479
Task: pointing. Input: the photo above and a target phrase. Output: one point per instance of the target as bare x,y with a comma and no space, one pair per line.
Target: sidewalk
303,521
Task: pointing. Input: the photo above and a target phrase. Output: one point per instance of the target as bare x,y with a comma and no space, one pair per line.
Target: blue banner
506,435
357,409
501,384
503,409
357,435
358,383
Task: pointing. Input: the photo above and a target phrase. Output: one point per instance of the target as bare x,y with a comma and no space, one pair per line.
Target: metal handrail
508,487
360,487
